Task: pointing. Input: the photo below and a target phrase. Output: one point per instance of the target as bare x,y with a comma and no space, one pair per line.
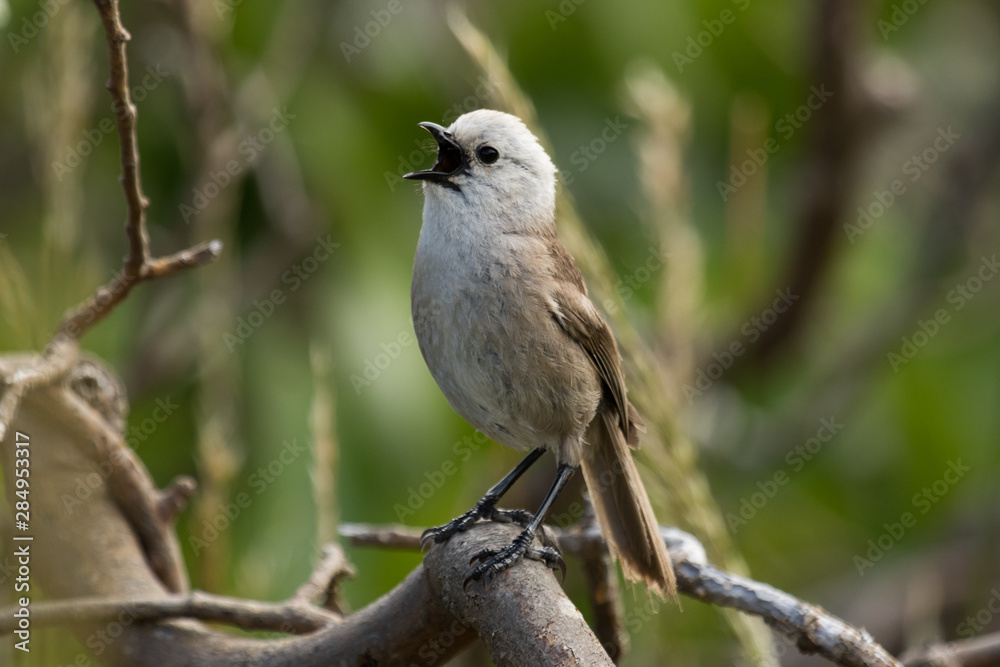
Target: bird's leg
486,507
493,561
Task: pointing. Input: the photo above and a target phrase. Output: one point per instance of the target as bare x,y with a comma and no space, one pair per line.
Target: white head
490,170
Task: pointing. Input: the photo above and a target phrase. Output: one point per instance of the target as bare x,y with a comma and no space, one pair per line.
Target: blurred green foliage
352,100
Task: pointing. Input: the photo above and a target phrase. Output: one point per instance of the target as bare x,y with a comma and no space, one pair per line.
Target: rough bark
87,546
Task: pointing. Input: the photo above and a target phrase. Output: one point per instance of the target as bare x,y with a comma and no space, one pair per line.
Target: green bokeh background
351,131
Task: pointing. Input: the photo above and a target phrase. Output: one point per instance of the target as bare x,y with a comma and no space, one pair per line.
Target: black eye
487,154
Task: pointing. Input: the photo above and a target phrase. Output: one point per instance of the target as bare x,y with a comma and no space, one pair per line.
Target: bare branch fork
150,510
138,266
976,652
297,615
813,629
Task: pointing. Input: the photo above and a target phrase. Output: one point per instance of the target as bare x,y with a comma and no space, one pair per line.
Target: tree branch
150,511
427,614
138,265
96,307
128,481
813,629
321,585
174,498
410,620
522,616
93,555
61,352
836,137
125,112
977,652
42,370
291,616
603,590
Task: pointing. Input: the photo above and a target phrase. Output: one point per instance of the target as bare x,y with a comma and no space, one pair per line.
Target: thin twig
49,367
813,629
174,498
290,617
103,301
138,265
132,488
977,652
9,403
321,586
389,536
135,224
603,591
162,267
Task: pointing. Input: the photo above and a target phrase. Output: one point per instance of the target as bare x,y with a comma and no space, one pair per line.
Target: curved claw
490,567
485,553
426,538
457,525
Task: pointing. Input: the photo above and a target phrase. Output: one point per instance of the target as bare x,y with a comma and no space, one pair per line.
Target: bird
506,327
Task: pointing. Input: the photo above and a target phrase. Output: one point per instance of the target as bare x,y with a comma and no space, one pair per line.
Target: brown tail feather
623,509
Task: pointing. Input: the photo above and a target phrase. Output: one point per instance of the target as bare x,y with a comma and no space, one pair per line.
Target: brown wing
579,318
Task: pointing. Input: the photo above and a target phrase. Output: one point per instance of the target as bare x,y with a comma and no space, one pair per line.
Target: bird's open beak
450,157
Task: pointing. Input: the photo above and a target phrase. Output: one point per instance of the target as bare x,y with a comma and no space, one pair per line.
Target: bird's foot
495,561
484,509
